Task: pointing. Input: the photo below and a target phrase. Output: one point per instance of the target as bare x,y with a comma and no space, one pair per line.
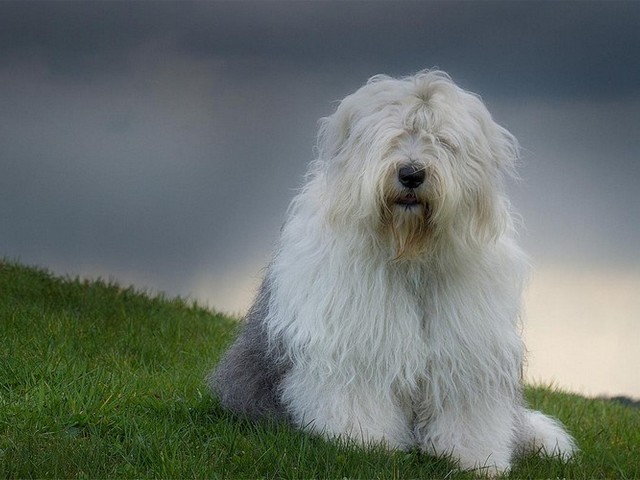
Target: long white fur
400,327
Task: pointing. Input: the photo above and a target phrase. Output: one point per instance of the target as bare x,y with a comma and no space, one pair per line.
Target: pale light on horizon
582,330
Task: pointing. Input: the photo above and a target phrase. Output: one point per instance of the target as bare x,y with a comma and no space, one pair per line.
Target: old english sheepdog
390,311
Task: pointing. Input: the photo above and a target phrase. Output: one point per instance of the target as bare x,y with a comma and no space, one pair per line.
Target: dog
390,312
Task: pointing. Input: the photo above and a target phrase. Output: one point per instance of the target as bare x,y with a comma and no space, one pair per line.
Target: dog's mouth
408,200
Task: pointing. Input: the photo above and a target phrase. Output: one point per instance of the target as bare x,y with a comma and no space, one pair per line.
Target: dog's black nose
411,176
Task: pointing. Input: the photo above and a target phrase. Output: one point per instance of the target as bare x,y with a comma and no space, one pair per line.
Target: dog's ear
334,130
506,150
498,150
503,146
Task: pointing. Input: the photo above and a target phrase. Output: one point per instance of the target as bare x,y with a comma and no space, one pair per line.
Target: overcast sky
159,143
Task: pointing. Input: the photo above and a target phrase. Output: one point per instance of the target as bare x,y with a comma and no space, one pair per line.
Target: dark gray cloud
160,142
553,48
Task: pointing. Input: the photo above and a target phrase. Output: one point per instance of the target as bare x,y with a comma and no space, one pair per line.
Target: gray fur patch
248,377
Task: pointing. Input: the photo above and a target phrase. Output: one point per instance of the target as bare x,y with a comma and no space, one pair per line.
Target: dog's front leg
353,411
479,437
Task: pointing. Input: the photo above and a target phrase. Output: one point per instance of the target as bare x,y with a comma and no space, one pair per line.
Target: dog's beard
406,218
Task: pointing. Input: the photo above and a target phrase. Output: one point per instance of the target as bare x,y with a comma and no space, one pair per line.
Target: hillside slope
101,381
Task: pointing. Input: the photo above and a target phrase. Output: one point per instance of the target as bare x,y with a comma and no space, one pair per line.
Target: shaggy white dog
390,311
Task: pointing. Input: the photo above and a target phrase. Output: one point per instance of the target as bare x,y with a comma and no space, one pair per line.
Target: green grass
99,381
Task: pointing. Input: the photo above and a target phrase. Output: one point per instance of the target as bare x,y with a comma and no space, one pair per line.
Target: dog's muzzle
410,176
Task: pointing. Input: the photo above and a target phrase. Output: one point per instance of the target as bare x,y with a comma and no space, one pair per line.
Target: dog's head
417,161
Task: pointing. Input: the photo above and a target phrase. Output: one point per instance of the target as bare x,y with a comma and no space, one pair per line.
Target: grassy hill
101,381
